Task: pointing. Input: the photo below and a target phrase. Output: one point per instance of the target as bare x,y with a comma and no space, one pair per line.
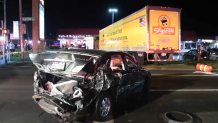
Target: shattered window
130,63
117,63
104,60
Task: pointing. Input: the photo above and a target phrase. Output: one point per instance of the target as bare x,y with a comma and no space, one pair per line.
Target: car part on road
176,117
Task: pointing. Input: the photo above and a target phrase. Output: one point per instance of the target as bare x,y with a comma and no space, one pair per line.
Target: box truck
150,34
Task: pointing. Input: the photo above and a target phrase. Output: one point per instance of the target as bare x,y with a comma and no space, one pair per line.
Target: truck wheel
103,107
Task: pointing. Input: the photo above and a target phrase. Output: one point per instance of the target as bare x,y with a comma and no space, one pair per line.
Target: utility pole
112,17
21,34
3,42
4,36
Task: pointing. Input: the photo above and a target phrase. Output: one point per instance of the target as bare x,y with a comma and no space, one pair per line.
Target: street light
113,11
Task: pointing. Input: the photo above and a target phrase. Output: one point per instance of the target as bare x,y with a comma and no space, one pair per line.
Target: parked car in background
79,82
213,54
193,55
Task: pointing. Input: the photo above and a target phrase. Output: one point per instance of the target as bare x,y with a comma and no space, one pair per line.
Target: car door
213,55
193,54
121,75
187,55
137,77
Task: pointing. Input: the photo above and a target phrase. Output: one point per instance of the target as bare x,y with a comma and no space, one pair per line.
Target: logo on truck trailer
103,41
163,27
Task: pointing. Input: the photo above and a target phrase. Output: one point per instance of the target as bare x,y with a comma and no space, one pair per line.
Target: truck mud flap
139,56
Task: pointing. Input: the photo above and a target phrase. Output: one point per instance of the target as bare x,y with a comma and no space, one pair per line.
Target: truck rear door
164,27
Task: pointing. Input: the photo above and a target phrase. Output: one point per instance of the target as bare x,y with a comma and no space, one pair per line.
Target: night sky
196,16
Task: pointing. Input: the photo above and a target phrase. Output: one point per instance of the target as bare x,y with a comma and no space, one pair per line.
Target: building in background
188,40
74,37
207,42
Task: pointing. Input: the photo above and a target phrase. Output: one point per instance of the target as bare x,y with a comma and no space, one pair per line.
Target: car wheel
103,107
216,59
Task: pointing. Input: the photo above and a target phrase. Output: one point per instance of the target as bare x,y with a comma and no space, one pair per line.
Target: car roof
90,51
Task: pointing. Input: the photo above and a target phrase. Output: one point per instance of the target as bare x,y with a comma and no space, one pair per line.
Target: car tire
104,100
216,59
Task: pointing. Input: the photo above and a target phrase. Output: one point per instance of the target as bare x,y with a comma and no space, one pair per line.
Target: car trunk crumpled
71,69
71,82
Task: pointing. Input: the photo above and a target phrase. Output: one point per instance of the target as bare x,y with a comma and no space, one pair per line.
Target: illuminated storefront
75,37
207,42
188,40
215,44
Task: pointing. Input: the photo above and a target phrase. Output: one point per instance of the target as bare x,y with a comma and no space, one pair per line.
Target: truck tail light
150,51
177,51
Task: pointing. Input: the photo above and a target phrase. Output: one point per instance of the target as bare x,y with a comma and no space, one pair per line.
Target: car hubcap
105,107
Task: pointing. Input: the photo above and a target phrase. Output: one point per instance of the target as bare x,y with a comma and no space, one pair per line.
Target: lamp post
113,11
21,33
5,41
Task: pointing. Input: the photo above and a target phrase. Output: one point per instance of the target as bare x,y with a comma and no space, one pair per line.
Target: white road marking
182,75
182,90
212,73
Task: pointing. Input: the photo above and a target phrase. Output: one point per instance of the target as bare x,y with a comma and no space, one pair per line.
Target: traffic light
6,31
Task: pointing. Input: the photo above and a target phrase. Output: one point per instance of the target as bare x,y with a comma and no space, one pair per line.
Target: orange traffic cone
203,67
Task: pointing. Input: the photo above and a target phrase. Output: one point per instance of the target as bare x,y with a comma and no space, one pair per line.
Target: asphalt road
187,91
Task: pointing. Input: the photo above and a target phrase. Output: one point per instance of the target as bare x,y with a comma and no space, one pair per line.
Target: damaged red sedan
80,82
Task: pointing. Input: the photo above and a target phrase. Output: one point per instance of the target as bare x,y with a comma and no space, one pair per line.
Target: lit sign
74,36
16,29
41,22
42,2
209,41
